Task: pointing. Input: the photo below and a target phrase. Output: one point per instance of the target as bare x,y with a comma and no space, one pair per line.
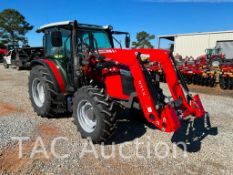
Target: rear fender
54,71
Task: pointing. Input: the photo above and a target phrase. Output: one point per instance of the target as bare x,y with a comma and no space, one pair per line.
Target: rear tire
43,92
18,67
202,81
198,80
206,81
229,83
194,79
222,82
94,114
212,81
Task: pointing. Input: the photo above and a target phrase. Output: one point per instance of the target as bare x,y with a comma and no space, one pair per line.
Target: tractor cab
213,51
60,39
214,56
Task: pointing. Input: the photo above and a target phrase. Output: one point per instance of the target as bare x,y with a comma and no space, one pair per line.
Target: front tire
94,114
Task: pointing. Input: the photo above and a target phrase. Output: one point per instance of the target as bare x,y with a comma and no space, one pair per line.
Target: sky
156,17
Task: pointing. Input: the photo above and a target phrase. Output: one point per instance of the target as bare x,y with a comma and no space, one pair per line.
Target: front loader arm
162,116
191,106
165,119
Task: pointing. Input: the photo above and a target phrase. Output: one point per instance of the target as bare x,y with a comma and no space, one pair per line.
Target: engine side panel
114,87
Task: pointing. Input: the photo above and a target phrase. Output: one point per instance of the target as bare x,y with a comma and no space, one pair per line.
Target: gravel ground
212,155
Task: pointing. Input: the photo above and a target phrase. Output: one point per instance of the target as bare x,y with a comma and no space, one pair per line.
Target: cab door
61,55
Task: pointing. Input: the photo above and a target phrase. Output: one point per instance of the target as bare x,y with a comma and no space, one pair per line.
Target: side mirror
127,41
56,39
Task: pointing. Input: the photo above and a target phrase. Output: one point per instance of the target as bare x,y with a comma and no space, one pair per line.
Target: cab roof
70,23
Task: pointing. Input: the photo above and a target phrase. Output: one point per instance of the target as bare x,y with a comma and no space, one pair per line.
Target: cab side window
83,40
62,52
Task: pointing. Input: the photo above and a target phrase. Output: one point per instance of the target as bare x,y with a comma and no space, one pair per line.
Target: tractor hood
128,56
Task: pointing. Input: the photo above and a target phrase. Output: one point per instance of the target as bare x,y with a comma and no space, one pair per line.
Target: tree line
13,27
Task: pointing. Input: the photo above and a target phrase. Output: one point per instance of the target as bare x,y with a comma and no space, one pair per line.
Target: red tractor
82,72
213,57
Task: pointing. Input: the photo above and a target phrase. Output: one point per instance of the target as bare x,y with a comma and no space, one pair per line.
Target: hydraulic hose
179,75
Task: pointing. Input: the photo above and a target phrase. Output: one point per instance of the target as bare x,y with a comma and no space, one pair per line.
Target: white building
195,44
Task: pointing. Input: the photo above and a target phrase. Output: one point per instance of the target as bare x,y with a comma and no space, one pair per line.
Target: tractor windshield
102,39
94,39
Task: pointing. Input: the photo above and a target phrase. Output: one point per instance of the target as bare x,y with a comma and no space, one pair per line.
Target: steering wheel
87,51
84,45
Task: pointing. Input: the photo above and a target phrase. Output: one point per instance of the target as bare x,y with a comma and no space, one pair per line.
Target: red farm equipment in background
198,72
226,75
209,70
3,52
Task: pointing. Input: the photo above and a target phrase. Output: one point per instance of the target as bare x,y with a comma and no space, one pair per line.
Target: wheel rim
86,116
38,92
